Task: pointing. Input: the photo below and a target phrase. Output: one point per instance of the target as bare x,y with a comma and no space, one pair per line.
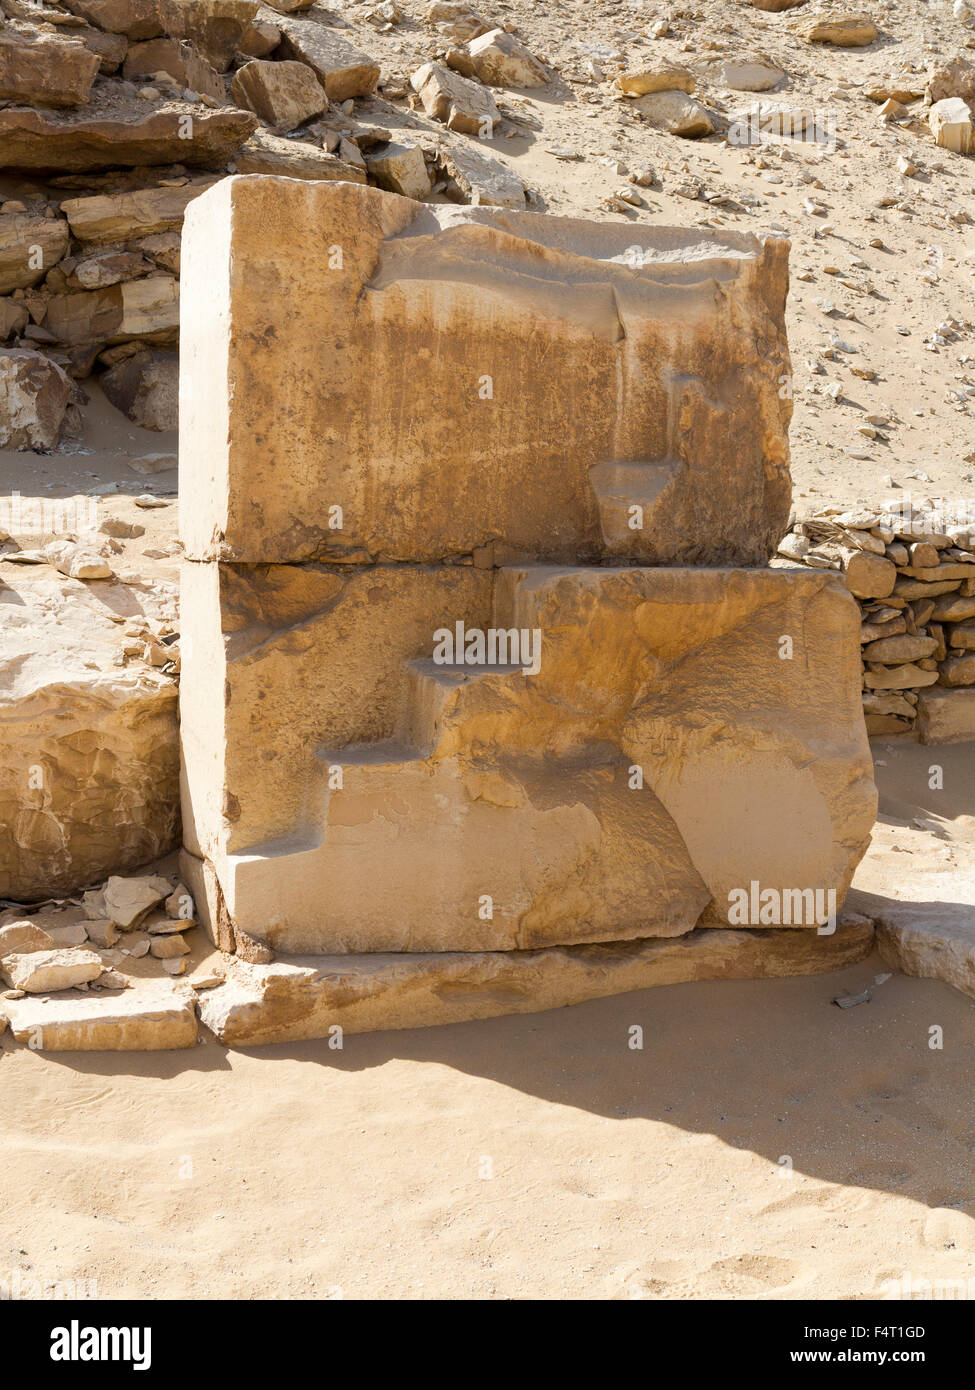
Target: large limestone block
179,133
305,998
88,750
41,70
153,1015
655,431
353,794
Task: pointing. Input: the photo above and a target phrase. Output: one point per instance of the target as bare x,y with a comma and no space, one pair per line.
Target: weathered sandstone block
41,70
34,394
425,429
343,70
292,1000
99,138
662,757
88,750
284,94
113,217
29,247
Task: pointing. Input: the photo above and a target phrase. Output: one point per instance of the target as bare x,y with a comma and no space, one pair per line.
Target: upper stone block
370,379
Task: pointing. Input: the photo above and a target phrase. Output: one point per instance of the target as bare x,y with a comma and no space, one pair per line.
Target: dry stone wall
911,566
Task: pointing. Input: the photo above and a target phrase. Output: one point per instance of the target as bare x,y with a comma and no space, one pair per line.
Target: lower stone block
946,716
672,737
307,997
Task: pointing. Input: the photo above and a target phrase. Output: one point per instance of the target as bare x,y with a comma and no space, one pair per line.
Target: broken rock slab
129,900
153,1015
41,70
265,153
89,754
137,19
746,75
145,387
501,60
677,113
29,247
460,103
34,395
950,121
284,94
114,217
343,70
483,181
181,60
400,168
39,972
215,27
455,303
306,997
840,31
177,133
146,310
931,942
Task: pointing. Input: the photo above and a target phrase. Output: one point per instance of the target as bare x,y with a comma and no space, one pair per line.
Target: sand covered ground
537,1156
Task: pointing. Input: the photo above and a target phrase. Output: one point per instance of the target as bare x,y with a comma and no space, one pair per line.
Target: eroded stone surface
151,1016
88,750
666,349
304,998
461,782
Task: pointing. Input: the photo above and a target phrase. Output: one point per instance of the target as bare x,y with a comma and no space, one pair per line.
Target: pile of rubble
67,964
116,114
912,568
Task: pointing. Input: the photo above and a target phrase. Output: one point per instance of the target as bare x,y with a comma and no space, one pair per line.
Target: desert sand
537,1156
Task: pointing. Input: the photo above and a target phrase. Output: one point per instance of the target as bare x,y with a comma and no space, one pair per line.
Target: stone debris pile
912,568
67,964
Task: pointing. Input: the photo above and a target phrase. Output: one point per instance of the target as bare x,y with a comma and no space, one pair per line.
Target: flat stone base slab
151,1017
931,941
305,997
